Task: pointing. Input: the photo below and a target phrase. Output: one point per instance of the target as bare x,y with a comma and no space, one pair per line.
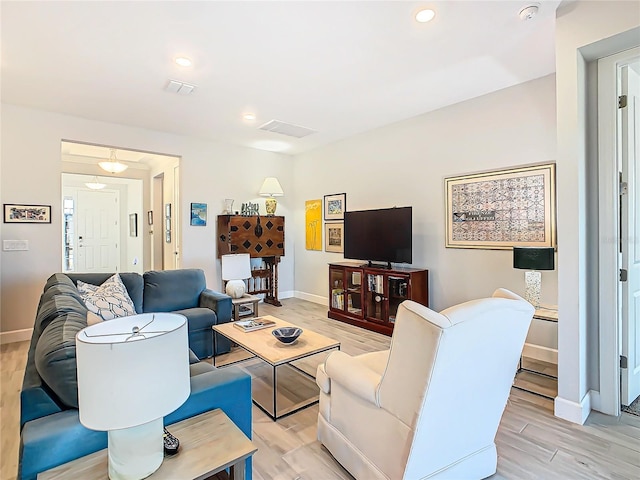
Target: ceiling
339,68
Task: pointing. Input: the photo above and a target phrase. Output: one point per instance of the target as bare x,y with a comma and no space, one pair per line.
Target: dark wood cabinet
369,296
260,237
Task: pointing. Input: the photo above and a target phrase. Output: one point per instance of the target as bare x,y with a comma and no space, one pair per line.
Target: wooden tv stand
369,296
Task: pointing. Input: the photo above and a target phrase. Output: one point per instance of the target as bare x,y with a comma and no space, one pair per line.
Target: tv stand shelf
369,296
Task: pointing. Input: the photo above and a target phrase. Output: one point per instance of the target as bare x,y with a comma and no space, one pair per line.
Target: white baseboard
573,411
312,298
538,352
15,336
288,294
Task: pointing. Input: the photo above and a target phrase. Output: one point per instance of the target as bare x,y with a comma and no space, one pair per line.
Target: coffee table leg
275,392
237,471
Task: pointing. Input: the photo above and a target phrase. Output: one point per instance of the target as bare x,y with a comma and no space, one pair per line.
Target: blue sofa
50,430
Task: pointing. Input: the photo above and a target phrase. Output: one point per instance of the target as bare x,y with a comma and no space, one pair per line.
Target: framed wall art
17,213
313,222
334,237
133,225
502,209
199,214
334,206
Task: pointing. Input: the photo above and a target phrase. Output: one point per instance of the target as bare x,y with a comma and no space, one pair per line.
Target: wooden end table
209,443
238,303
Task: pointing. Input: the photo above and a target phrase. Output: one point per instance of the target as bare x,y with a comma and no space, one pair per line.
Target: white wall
31,168
405,165
584,31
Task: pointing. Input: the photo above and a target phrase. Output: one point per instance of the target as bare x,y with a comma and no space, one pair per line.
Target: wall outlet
15,245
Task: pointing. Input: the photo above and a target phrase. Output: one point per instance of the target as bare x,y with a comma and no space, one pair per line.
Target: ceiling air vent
286,129
180,88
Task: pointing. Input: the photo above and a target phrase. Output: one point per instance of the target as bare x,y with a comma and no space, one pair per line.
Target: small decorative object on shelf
228,206
249,209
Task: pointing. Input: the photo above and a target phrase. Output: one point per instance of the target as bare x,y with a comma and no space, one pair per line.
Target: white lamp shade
271,188
236,266
126,380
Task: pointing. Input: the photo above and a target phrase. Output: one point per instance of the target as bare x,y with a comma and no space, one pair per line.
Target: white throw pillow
109,300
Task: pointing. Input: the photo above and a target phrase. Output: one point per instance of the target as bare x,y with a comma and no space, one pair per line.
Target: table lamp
533,259
235,268
271,188
132,371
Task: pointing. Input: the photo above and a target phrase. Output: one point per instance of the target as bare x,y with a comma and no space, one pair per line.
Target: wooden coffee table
200,454
288,384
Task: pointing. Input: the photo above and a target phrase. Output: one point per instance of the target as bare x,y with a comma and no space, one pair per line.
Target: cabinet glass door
336,284
354,291
375,297
398,288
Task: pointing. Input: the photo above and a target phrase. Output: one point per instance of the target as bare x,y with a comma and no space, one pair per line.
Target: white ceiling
339,68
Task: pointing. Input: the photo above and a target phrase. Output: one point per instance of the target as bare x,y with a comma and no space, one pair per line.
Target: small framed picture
334,237
199,214
16,213
150,217
133,225
335,206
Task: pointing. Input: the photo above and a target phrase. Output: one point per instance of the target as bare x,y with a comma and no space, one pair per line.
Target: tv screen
383,235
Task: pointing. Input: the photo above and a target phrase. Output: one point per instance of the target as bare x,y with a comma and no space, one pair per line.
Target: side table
544,388
239,304
209,443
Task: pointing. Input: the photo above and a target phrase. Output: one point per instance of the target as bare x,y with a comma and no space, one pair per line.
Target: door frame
608,229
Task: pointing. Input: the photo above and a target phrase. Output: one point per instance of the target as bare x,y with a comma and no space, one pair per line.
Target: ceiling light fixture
113,165
183,61
528,12
426,15
249,116
95,184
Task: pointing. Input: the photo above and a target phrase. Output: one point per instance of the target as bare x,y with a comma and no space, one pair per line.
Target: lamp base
270,205
235,288
533,282
136,452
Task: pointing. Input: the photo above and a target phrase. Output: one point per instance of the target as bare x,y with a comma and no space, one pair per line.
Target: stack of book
257,323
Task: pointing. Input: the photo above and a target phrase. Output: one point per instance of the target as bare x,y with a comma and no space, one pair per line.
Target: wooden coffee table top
264,345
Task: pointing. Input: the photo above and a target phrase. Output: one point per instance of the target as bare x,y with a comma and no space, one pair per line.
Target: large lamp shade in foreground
132,371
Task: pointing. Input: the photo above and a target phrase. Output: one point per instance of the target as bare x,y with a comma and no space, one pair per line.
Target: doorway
148,183
619,222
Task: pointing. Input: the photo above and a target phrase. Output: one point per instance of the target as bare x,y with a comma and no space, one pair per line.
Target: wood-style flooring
532,443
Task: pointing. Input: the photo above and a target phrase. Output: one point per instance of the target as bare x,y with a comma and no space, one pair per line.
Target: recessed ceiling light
249,116
426,15
183,61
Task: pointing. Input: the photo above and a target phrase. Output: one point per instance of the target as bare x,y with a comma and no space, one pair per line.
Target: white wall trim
310,297
596,403
572,411
538,352
15,336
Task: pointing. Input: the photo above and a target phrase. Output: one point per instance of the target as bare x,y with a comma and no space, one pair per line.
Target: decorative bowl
287,335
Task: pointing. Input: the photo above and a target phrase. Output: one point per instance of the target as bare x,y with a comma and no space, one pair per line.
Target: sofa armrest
218,302
354,376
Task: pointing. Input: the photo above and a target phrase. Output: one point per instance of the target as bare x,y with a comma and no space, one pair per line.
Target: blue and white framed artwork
199,214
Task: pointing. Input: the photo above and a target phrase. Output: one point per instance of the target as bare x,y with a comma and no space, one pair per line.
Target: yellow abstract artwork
313,220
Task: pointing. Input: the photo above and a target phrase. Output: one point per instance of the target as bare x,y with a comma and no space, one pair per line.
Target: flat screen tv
383,235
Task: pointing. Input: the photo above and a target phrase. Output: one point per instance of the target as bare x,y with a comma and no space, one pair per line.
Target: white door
630,231
97,231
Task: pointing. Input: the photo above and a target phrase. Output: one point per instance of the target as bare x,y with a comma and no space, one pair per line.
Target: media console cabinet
369,296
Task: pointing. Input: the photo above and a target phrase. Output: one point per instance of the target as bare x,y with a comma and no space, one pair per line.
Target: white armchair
430,406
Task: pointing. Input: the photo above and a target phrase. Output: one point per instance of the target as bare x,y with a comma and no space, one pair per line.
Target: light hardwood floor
532,443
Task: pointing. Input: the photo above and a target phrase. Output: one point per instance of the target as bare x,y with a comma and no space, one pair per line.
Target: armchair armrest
218,302
354,376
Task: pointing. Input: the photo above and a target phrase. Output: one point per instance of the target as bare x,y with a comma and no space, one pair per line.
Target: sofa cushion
198,318
55,355
131,280
109,300
170,290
